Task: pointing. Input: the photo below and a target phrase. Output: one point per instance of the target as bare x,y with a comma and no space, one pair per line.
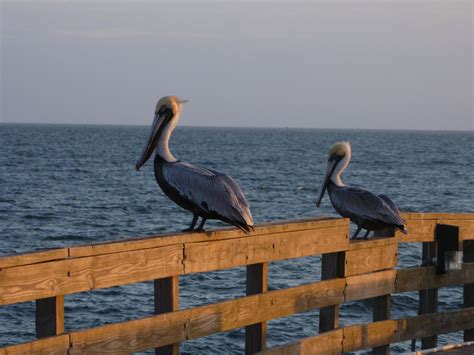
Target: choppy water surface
70,185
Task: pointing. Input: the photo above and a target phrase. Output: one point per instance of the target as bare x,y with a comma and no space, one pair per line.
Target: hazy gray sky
342,64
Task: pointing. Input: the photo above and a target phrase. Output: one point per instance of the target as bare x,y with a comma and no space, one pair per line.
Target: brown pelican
362,207
207,193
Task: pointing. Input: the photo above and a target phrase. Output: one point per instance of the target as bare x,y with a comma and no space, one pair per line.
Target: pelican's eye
161,110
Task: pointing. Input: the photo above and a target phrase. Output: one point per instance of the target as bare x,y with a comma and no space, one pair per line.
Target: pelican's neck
340,167
162,149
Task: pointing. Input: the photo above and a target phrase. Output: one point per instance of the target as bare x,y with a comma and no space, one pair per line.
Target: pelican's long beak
329,170
160,120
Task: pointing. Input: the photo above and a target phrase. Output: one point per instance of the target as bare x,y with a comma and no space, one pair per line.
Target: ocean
63,185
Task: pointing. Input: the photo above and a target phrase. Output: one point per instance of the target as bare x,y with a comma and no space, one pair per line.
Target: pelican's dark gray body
202,209
368,211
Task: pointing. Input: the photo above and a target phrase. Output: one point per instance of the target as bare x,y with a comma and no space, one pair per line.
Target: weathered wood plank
366,286
166,297
257,282
363,261
422,278
54,345
365,336
436,215
419,230
49,318
220,234
174,327
326,343
370,243
222,254
33,257
49,279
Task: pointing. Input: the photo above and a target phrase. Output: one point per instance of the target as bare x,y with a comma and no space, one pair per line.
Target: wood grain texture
57,345
358,244
365,286
169,328
419,230
437,215
363,261
217,255
33,257
364,336
155,241
327,343
49,279
371,335
422,278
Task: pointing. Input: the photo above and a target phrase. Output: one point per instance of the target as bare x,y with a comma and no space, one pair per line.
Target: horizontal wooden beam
223,254
49,279
420,225
359,337
61,277
58,344
327,343
174,327
33,257
360,287
208,236
370,259
371,335
423,278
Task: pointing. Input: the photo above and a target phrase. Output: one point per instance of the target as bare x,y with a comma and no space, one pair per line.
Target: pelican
362,207
206,193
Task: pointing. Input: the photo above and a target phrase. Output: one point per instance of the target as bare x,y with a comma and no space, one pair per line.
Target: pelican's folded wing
369,206
212,191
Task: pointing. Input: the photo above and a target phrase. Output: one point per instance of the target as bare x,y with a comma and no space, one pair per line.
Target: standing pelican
362,207
207,193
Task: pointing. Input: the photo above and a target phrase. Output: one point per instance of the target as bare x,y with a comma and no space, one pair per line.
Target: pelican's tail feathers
403,229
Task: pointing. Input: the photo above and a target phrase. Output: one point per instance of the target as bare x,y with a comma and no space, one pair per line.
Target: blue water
71,185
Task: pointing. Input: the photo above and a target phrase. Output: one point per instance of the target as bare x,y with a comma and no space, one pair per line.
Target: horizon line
244,127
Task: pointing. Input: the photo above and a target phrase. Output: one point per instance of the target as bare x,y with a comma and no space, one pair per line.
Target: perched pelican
362,207
207,193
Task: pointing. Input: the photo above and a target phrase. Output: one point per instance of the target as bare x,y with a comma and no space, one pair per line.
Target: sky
322,64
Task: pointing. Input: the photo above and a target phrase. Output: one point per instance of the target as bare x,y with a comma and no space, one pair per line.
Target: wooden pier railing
351,271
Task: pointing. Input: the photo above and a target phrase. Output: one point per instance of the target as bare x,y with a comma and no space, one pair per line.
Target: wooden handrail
367,271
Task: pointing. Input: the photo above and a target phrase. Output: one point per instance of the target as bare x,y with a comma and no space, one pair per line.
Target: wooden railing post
428,298
332,266
49,316
257,282
167,300
381,305
468,250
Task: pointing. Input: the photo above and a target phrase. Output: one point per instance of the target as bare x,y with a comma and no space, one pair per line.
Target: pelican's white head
167,114
339,156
